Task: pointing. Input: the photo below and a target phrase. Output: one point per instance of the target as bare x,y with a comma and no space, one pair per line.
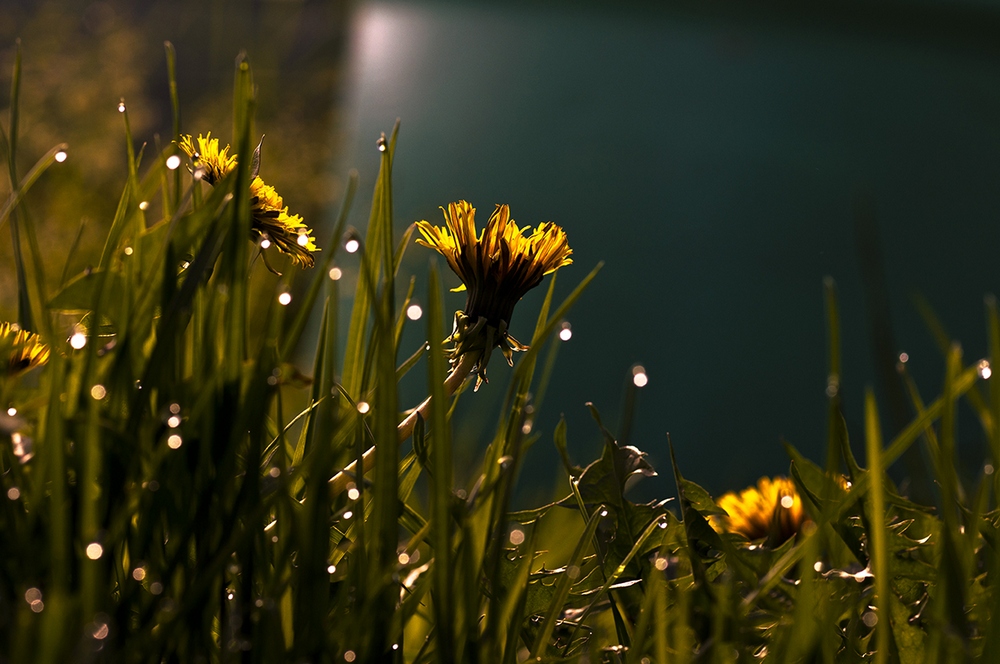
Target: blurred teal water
714,164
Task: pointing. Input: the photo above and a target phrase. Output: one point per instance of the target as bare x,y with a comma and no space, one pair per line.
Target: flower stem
456,377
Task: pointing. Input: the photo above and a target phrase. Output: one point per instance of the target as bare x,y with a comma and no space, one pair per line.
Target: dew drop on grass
128,251
988,469
13,493
661,563
331,569
336,273
787,502
265,243
403,558
516,536
566,331
348,514
144,205
11,412
139,573
61,156
100,630
284,299
349,656
98,392
984,369
353,493
94,551
156,587
78,340
352,245
173,421
414,312
121,106
175,408
174,442
869,618
303,240
639,377
173,161
363,407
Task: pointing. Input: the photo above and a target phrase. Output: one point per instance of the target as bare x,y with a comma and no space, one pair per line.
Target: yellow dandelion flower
772,510
270,220
497,267
24,350
215,163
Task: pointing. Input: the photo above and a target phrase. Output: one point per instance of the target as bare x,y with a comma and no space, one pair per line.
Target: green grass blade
878,553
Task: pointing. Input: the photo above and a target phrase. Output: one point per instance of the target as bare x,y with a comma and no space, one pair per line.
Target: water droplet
230,596
61,156
274,539
566,331
349,656
516,536
869,618
11,412
348,514
23,447
156,587
363,407
984,369
381,143
175,408
144,205
988,469
526,427
818,566
904,357
335,273
128,251
173,421
38,606
661,563
174,442
414,312
604,512
98,392
198,173
353,493
352,246
121,106
78,340
284,299
403,558
139,573
787,502
100,630
32,595
13,493
331,569
272,380
639,377
395,646
274,472
303,240
573,572
94,550
173,161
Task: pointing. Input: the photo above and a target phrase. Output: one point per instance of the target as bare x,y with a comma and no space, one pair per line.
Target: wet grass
165,501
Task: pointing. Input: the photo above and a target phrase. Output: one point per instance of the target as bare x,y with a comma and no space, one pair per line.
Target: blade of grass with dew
360,312
385,493
440,479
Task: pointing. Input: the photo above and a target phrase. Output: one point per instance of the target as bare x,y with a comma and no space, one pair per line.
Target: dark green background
714,157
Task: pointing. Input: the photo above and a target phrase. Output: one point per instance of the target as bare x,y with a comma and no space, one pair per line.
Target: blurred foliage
82,57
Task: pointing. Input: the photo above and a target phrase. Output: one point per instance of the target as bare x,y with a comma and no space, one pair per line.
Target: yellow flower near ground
269,215
24,349
497,267
772,509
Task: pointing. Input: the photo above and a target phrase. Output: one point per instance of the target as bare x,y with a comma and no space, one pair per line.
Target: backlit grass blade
877,550
444,604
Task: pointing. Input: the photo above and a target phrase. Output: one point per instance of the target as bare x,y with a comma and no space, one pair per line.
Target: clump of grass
162,502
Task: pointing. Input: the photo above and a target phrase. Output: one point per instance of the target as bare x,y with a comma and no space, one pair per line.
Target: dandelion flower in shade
772,510
24,350
497,267
269,215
